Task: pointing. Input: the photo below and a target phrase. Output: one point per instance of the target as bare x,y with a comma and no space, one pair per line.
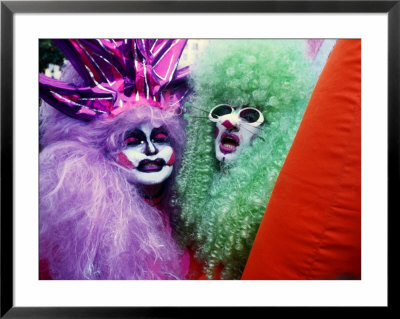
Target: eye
160,138
132,141
134,138
250,115
220,110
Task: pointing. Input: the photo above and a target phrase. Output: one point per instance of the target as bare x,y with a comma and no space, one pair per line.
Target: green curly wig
221,205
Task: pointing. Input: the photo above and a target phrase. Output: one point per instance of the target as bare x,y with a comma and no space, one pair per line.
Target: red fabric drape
312,225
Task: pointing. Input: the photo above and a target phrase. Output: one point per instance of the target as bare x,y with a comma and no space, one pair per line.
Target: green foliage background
49,53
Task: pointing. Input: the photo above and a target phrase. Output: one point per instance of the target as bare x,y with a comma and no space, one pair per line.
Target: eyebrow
135,133
157,130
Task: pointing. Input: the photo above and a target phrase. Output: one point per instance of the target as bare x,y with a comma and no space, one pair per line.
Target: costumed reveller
112,136
249,99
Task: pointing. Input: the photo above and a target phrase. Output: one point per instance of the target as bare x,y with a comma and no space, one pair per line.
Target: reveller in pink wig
98,219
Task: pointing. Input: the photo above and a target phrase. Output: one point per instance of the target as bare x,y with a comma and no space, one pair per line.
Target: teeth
231,146
229,142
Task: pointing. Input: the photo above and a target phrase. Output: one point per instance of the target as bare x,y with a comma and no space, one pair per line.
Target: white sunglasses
248,114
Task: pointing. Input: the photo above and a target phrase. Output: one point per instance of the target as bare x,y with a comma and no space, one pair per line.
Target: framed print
248,149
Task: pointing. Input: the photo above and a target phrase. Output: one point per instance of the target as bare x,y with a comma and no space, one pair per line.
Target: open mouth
229,143
148,166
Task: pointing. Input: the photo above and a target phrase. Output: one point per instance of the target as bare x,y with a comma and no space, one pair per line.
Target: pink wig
93,223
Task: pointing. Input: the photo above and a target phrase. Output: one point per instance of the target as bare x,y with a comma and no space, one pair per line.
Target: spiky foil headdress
118,74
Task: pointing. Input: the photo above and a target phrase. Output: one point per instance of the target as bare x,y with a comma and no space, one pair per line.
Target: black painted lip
148,166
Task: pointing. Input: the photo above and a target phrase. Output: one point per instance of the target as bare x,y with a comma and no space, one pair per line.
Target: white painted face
235,129
148,155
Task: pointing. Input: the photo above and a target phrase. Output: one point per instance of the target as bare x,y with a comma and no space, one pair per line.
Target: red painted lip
147,166
229,143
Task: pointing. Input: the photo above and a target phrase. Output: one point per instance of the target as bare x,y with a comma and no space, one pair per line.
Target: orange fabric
312,225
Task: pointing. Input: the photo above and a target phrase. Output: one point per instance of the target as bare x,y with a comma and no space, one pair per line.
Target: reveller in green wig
257,91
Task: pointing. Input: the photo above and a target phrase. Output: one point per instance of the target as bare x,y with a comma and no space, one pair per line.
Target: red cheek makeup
124,161
171,159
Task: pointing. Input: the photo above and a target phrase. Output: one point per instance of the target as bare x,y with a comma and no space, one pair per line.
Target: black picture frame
9,8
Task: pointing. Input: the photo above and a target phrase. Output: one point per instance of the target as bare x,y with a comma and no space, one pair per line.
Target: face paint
235,129
216,132
171,159
124,161
149,151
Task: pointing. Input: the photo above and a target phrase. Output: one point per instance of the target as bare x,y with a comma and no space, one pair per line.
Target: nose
228,124
231,121
151,149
